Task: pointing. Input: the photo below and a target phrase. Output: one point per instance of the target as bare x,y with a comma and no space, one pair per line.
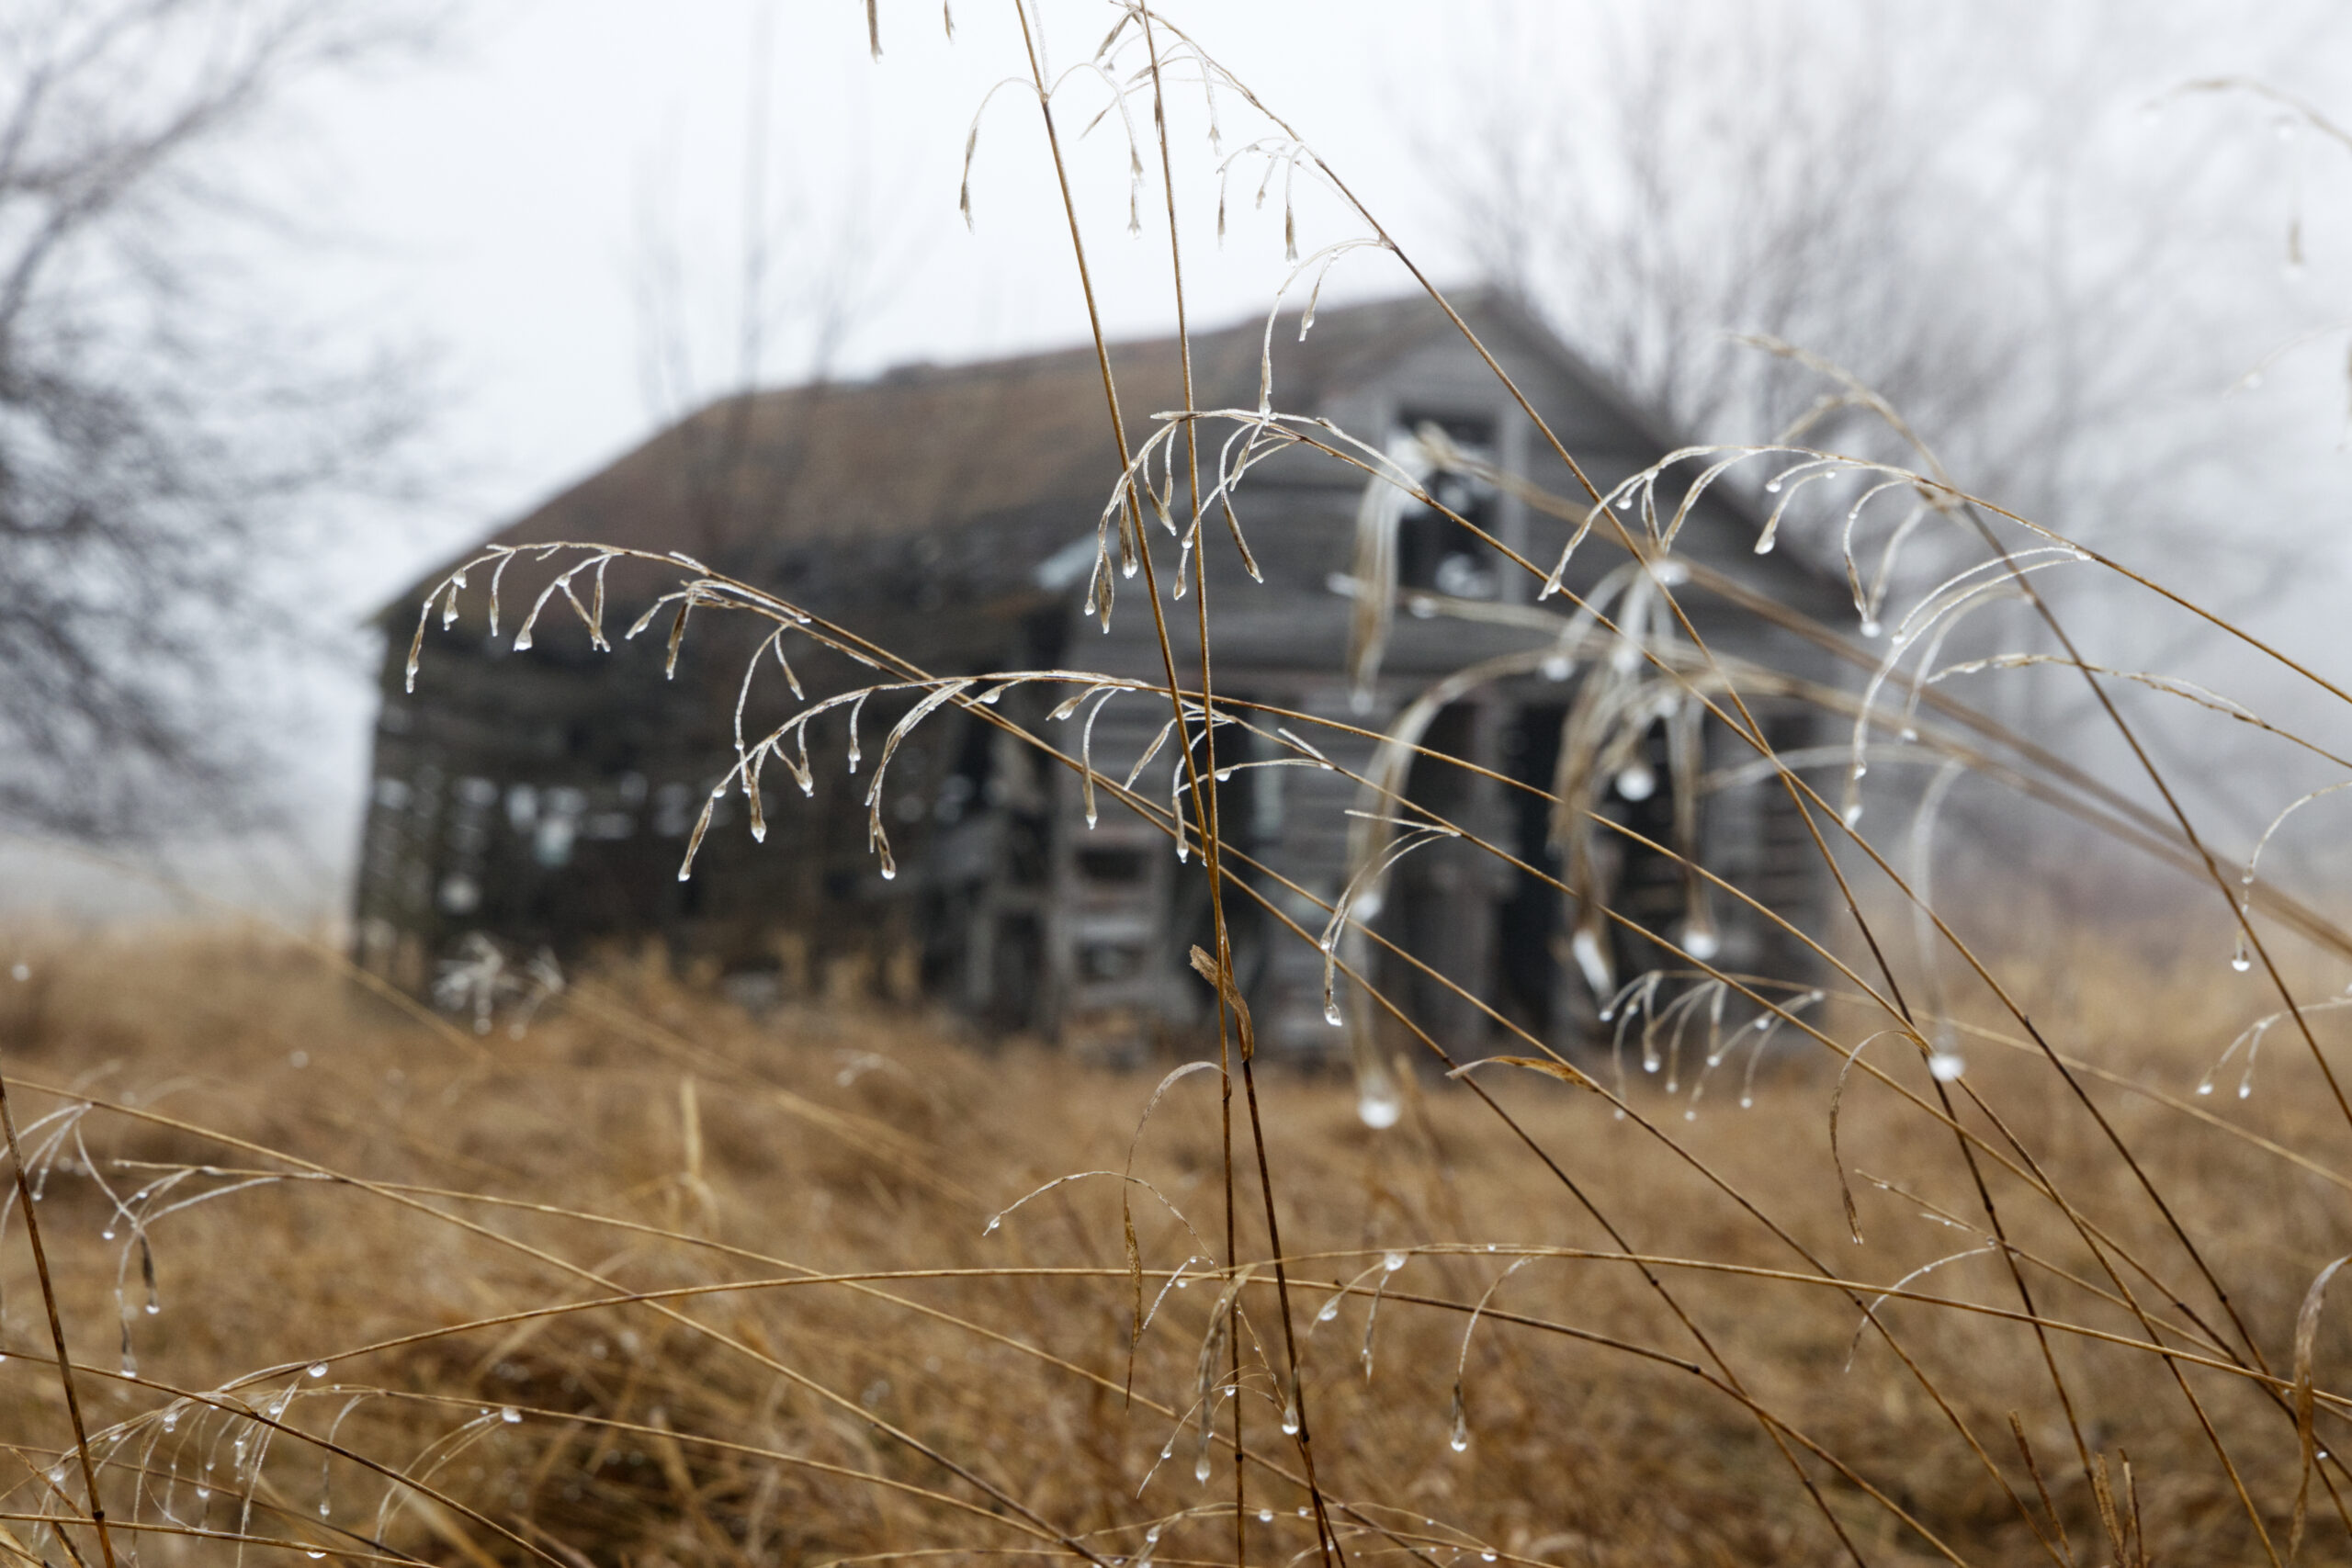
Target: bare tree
2006,218
1969,209
160,426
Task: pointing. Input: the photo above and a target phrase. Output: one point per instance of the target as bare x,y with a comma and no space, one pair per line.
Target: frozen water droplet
1331,1310
1331,1014
106,1235
1909,733
1702,943
2240,960
1747,1102
992,1225
1871,627
171,1417
989,699
2245,1088
1378,1106
204,1494
1223,775
1486,1557
889,872
1625,501
1392,1262
1946,1065
1183,1284
1265,1516
1201,1468
523,640
20,971
511,1415
1559,667
1636,782
2206,1087
317,1368
314,1556
1853,814
1290,1417
1654,1065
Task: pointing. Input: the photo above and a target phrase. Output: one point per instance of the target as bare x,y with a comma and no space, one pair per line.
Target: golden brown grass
655,1282
813,1189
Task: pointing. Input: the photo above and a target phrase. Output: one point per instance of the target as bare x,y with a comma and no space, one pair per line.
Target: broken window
1434,552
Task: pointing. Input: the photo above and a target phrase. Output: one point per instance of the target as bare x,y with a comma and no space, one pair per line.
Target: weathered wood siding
546,797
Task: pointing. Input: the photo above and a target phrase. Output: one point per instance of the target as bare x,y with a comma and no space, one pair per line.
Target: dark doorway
1442,895
1531,923
1536,985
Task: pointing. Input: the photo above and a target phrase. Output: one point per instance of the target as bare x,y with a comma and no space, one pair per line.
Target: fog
544,212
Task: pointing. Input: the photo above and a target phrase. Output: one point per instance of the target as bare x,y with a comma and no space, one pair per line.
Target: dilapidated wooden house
949,513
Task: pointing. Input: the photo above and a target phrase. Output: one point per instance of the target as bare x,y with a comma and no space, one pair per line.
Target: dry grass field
651,1280
605,1267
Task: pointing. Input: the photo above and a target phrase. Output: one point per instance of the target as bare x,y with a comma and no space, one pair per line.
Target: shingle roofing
927,446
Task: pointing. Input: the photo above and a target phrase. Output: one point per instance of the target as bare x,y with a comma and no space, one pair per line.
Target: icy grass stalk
1364,895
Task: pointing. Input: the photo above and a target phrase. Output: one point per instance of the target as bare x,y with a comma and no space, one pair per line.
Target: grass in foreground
386,1254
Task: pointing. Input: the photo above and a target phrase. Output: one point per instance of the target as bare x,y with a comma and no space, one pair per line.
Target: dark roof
924,447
